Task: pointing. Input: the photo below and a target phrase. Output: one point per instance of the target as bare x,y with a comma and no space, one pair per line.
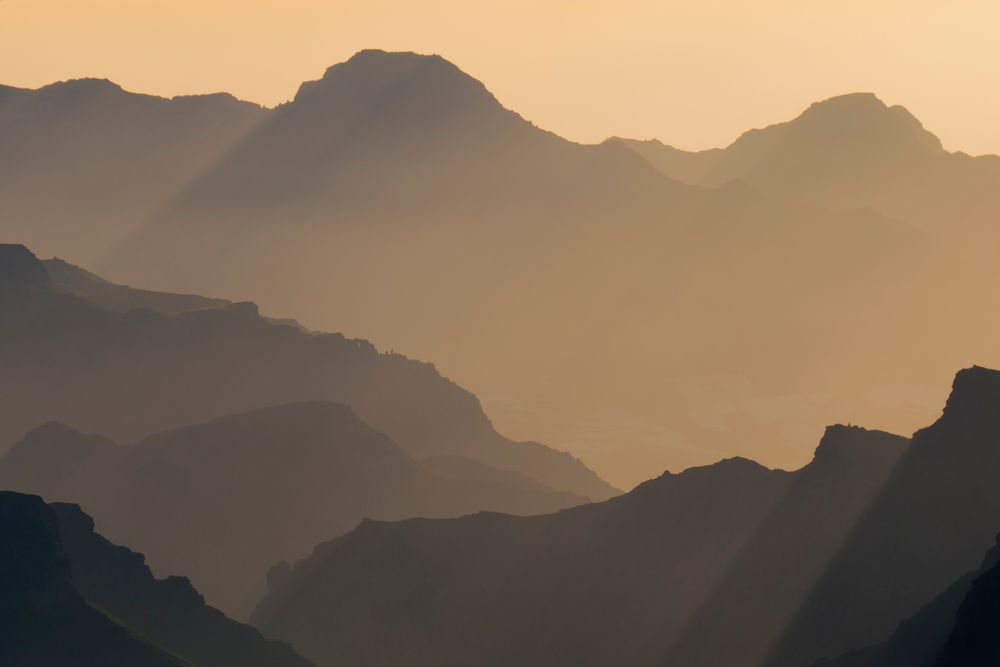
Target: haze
437,334
694,73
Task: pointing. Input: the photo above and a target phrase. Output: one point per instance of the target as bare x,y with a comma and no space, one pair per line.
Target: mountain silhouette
930,524
170,612
223,501
620,580
642,320
728,564
849,151
73,598
107,158
128,375
45,620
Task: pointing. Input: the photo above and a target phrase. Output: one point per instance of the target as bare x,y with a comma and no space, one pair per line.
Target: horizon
634,84
663,140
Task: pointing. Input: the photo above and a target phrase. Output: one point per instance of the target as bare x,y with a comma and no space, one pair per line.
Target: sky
692,73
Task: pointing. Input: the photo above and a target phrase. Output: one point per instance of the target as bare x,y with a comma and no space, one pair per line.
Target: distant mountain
223,501
731,564
849,151
121,298
44,621
128,375
73,598
85,163
592,301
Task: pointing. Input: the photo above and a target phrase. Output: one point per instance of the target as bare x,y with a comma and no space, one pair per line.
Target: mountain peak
975,394
865,117
397,78
20,267
86,87
846,445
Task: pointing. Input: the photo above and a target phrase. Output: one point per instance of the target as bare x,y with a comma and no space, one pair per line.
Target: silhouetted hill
121,298
930,525
85,163
44,621
849,151
168,611
127,375
662,325
640,579
223,501
729,564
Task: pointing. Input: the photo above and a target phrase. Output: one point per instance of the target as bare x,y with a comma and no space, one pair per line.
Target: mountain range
730,564
635,300
131,374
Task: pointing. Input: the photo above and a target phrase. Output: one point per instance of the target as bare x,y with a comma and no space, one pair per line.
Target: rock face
223,501
730,564
44,621
128,375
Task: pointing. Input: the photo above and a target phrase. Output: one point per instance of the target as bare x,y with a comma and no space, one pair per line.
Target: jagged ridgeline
650,308
731,564
324,431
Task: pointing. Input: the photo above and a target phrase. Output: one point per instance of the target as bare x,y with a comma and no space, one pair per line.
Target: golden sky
693,73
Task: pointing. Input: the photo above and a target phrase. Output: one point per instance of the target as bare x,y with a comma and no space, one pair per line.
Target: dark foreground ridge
776,568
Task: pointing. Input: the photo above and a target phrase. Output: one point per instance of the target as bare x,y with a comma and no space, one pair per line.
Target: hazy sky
693,73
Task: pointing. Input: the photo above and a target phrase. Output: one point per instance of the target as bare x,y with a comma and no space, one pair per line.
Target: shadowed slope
920,641
729,564
168,611
929,526
44,621
223,501
128,375
974,642
591,585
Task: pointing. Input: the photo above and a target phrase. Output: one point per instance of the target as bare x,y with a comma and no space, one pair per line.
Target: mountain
729,564
73,598
849,151
931,524
168,611
952,629
637,321
45,621
628,580
221,502
84,163
128,375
